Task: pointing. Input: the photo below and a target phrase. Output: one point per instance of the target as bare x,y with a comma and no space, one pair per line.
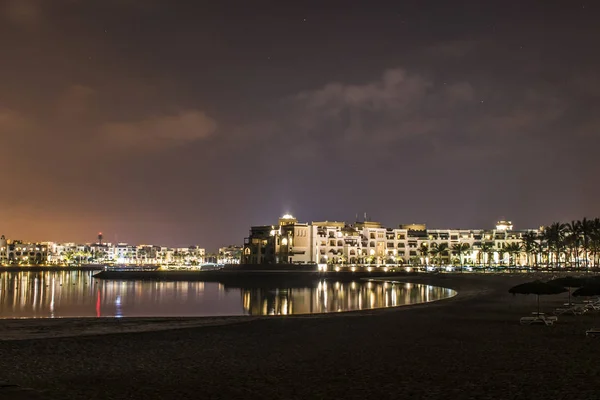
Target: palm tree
529,243
488,249
554,236
572,239
479,257
586,229
439,250
459,249
501,251
83,255
595,240
343,259
424,251
68,256
398,259
513,250
537,251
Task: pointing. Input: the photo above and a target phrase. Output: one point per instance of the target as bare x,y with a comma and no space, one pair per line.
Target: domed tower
287,219
504,225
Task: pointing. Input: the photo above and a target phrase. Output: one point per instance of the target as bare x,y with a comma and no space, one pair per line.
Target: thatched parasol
538,288
592,289
568,282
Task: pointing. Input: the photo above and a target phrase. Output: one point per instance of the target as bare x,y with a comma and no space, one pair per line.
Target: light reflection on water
77,294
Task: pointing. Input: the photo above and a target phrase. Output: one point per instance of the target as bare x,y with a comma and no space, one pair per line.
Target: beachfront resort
332,244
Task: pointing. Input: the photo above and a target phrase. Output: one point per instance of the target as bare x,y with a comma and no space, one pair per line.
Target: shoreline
48,328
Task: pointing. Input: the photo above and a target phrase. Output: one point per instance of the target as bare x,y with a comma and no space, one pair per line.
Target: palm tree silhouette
586,230
529,245
459,249
513,250
488,249
554,236
572,239
595,240
424,251
439,250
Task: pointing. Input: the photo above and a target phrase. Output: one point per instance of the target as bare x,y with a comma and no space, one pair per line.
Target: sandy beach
468,347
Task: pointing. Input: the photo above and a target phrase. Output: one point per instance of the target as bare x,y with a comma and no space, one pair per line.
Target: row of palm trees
72,257
439,251
575,244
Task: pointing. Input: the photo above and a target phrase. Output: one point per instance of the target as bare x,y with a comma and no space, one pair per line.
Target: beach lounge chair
543,316
536,320
571,310
579,309
593,332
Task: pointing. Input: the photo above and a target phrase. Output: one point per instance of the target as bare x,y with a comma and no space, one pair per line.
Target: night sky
185,122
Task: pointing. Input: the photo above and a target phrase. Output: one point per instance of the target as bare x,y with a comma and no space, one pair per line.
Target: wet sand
467,347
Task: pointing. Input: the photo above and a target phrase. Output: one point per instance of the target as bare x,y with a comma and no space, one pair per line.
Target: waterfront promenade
467,347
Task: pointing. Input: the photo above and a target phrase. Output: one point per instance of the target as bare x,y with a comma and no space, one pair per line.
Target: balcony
297,251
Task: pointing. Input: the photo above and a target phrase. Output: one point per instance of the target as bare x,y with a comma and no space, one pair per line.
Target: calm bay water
62,294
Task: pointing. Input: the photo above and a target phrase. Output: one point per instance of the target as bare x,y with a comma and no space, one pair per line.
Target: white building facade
369,243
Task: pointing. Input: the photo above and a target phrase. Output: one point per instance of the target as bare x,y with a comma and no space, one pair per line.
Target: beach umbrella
568,282
538,288
588,290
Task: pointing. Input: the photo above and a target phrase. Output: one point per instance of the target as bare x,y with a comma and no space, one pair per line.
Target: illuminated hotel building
16,251
367,242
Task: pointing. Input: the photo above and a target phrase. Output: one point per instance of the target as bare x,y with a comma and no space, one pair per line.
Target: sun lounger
571,310
541,315
536,320
593,332
579,309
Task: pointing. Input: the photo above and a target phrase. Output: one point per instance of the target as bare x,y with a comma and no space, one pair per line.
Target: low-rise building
14,252
19,252
124,253
230,255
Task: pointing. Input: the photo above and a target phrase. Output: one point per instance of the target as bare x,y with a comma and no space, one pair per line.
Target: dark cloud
159,133
400,107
